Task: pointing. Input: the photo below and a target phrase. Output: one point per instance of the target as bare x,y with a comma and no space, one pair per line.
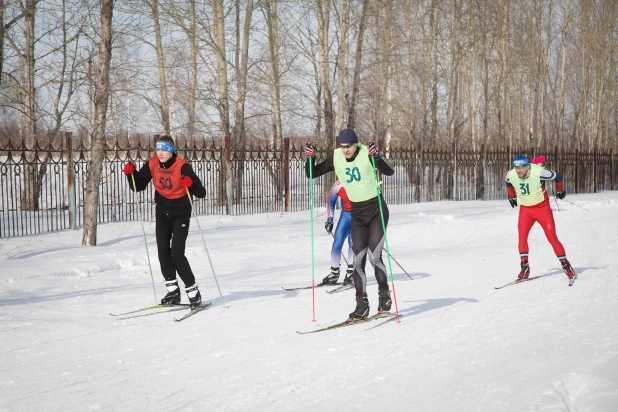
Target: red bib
167,181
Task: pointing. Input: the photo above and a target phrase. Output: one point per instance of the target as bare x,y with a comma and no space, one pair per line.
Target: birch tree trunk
193,75
241,76
272,21
561,96
323,14
29,197
433,23
273,48
164,105
97,153
227,190
342,65
2,29
357,65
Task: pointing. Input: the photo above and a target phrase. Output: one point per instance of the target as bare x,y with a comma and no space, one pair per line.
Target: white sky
461,345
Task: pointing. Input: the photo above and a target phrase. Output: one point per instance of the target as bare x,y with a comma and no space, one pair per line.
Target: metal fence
43,189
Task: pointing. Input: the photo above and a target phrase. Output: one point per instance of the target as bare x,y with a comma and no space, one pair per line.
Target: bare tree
30,198
272,20
323,8
97,153
164,103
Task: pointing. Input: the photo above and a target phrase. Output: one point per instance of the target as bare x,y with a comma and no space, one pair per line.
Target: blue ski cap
347,136
166,146
521,161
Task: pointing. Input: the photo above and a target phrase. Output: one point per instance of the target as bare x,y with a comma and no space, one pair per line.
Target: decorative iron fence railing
42,189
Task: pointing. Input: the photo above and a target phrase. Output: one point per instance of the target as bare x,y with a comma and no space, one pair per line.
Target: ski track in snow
460,345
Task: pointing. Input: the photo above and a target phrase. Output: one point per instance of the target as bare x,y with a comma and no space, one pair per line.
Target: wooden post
286,168
611,169
594,170
419,168
577,170
68,151
483,170
454,170
229,176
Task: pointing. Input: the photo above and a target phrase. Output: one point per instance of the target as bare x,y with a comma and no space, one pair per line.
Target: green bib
530,190
357,176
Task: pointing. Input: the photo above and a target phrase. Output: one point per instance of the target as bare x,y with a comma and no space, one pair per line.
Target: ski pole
312,247
400,267
575,204
342,255
556,199
205,248
141,219
388,255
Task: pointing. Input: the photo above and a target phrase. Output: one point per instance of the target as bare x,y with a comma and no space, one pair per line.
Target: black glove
560,194
329,227
513,201
309,149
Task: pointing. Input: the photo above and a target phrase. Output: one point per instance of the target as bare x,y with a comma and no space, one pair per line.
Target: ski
340,288
350,322
319,285
192,312
516,281
150,308
572,280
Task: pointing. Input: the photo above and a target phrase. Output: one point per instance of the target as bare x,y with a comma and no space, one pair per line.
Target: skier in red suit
525,184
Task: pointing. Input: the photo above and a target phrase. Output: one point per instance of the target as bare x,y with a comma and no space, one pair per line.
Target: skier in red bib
525,183
171,177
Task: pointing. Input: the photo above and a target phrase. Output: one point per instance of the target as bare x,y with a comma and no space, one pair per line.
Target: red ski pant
544,216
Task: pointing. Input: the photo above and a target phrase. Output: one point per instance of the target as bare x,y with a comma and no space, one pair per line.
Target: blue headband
168,147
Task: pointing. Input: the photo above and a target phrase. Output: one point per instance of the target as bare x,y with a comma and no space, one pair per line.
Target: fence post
286,168
481,178
419,168
454,170
611,169
68,151
594,170
509,157
229,176
577,170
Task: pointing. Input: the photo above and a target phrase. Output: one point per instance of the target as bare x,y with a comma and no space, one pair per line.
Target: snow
460,345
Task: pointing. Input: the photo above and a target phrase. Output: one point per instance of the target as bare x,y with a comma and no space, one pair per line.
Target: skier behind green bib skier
172,177
352,162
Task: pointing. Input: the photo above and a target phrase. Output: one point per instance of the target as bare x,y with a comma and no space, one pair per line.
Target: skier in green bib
353,164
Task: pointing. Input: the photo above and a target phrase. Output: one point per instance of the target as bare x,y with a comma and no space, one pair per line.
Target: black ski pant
368,240
171,231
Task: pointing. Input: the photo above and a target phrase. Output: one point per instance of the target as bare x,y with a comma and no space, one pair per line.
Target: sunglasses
520,167
346,146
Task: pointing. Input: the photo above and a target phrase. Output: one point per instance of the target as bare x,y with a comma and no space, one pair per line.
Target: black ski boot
362,308
194,296
173,293
525,270
349,280
332,277
384,300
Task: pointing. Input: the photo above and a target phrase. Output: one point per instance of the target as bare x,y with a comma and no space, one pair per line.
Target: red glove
186,182
372,148
129,168
309,149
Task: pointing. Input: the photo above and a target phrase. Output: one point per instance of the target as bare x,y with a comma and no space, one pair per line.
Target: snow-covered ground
461,345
